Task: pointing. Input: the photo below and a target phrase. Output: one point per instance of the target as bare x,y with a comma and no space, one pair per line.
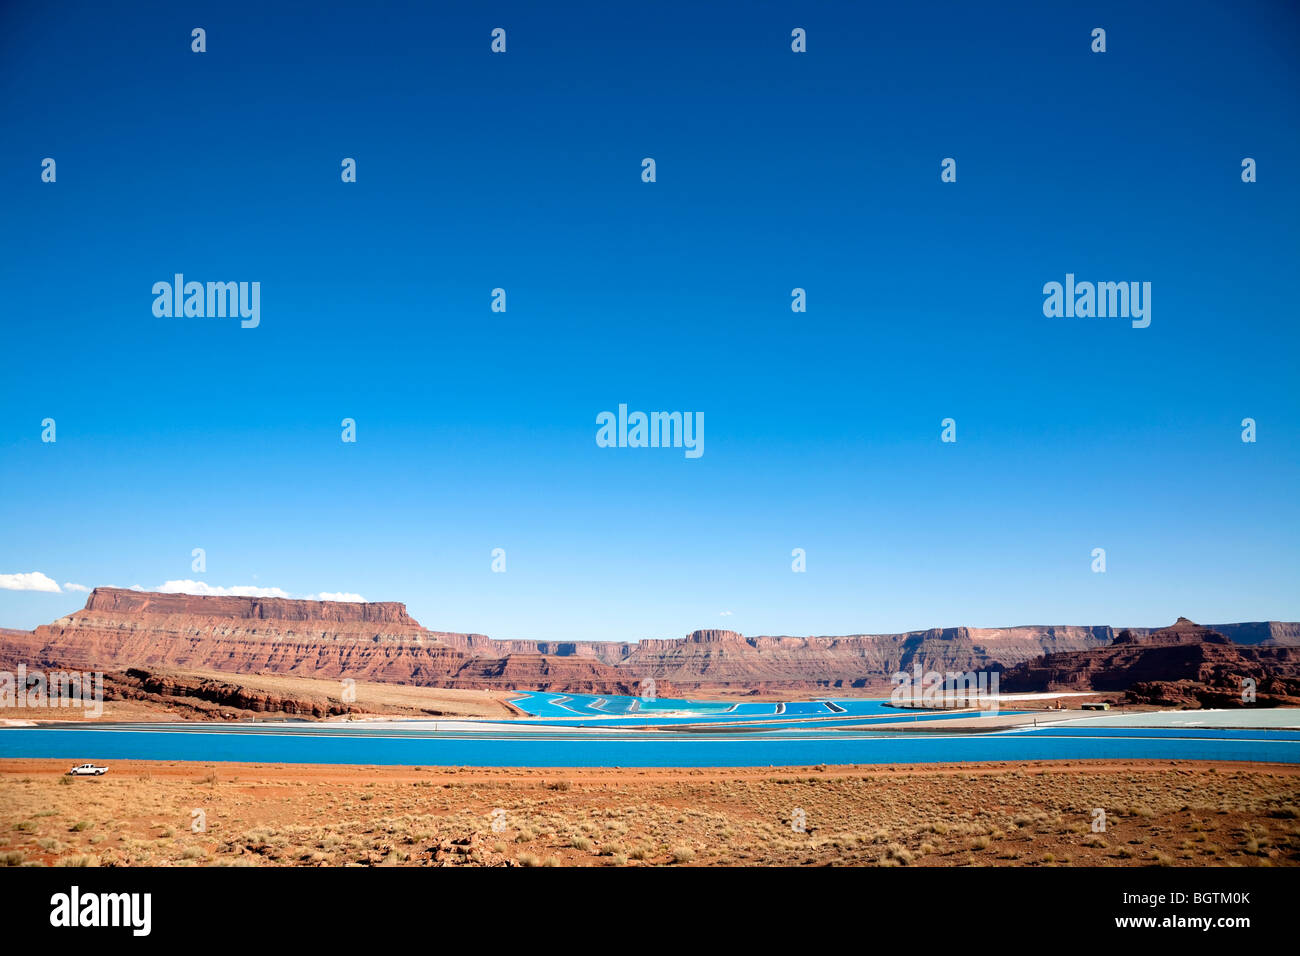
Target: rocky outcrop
229,699
1182,665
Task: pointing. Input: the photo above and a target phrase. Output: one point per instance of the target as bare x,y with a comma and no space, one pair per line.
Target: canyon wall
1182,665
321,639
382,642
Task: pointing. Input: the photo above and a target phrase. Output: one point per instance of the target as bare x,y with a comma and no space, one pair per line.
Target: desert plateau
1041,814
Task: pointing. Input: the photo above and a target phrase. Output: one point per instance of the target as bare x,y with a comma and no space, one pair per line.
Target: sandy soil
1157,813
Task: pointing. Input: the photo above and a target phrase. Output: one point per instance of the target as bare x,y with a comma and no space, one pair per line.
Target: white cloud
203,588
28,581
725,614
69,586
337,596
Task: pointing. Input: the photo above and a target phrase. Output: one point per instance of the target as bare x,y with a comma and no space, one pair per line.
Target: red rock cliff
382,642
121,601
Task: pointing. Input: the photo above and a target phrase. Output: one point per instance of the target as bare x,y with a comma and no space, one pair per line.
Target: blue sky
775,170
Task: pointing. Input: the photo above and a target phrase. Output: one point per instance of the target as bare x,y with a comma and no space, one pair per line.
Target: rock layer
321,639
382,642
1182,665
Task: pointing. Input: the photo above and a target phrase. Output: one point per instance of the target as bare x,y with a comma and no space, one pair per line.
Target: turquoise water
579,710
584,730
341,744
592,705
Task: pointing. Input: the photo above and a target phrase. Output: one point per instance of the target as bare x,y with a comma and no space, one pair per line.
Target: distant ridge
381,642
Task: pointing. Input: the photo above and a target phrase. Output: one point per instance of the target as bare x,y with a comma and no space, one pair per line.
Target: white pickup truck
87,770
